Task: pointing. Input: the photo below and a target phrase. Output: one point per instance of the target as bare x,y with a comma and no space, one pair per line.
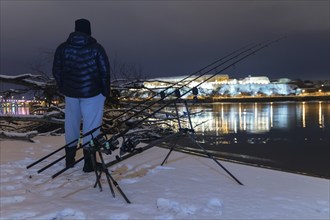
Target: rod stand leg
190,132
92,154
110,179
171,149
191,136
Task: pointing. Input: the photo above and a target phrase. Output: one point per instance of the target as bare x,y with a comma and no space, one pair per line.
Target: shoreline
248,160
241,99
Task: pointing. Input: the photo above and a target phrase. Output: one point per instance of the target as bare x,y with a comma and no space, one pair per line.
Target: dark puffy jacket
81,67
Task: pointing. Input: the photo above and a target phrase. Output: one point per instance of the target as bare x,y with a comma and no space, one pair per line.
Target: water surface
289,136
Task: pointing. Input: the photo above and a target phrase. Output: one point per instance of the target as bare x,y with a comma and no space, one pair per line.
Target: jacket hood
78,39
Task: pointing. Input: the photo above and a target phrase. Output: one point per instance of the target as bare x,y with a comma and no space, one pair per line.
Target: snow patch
11,199
66,214
159,168
214,205
169,193
175,209
130,181
22,215
119,216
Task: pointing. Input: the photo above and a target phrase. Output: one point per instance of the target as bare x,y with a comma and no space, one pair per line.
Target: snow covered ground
187,187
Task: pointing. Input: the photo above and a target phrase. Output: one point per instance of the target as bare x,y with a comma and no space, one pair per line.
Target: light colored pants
89,111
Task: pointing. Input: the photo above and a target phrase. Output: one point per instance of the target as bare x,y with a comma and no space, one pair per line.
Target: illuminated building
222,85
255,80
211,81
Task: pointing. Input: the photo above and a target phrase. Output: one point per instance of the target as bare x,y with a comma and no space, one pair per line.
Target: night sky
170,38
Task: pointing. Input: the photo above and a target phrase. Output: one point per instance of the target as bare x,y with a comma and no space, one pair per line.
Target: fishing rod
138,105
179,95
163,96
122,133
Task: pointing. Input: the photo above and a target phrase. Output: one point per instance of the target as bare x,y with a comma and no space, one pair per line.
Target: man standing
82,73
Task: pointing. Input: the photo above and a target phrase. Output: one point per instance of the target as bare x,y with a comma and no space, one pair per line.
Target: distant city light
222,85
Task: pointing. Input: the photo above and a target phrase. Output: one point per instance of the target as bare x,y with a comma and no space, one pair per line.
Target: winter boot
88,165
70,153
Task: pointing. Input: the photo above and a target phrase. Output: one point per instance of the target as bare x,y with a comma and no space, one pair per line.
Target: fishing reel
103,144
195,93
129,145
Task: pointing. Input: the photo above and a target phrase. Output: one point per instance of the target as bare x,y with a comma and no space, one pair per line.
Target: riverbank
277,156
186,187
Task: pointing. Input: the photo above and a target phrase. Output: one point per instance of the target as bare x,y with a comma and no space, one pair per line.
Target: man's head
83,25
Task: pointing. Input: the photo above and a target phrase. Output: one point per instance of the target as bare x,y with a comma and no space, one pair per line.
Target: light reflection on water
15,110
256,118
252,118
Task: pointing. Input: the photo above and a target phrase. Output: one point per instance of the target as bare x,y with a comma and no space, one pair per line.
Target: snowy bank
187,187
